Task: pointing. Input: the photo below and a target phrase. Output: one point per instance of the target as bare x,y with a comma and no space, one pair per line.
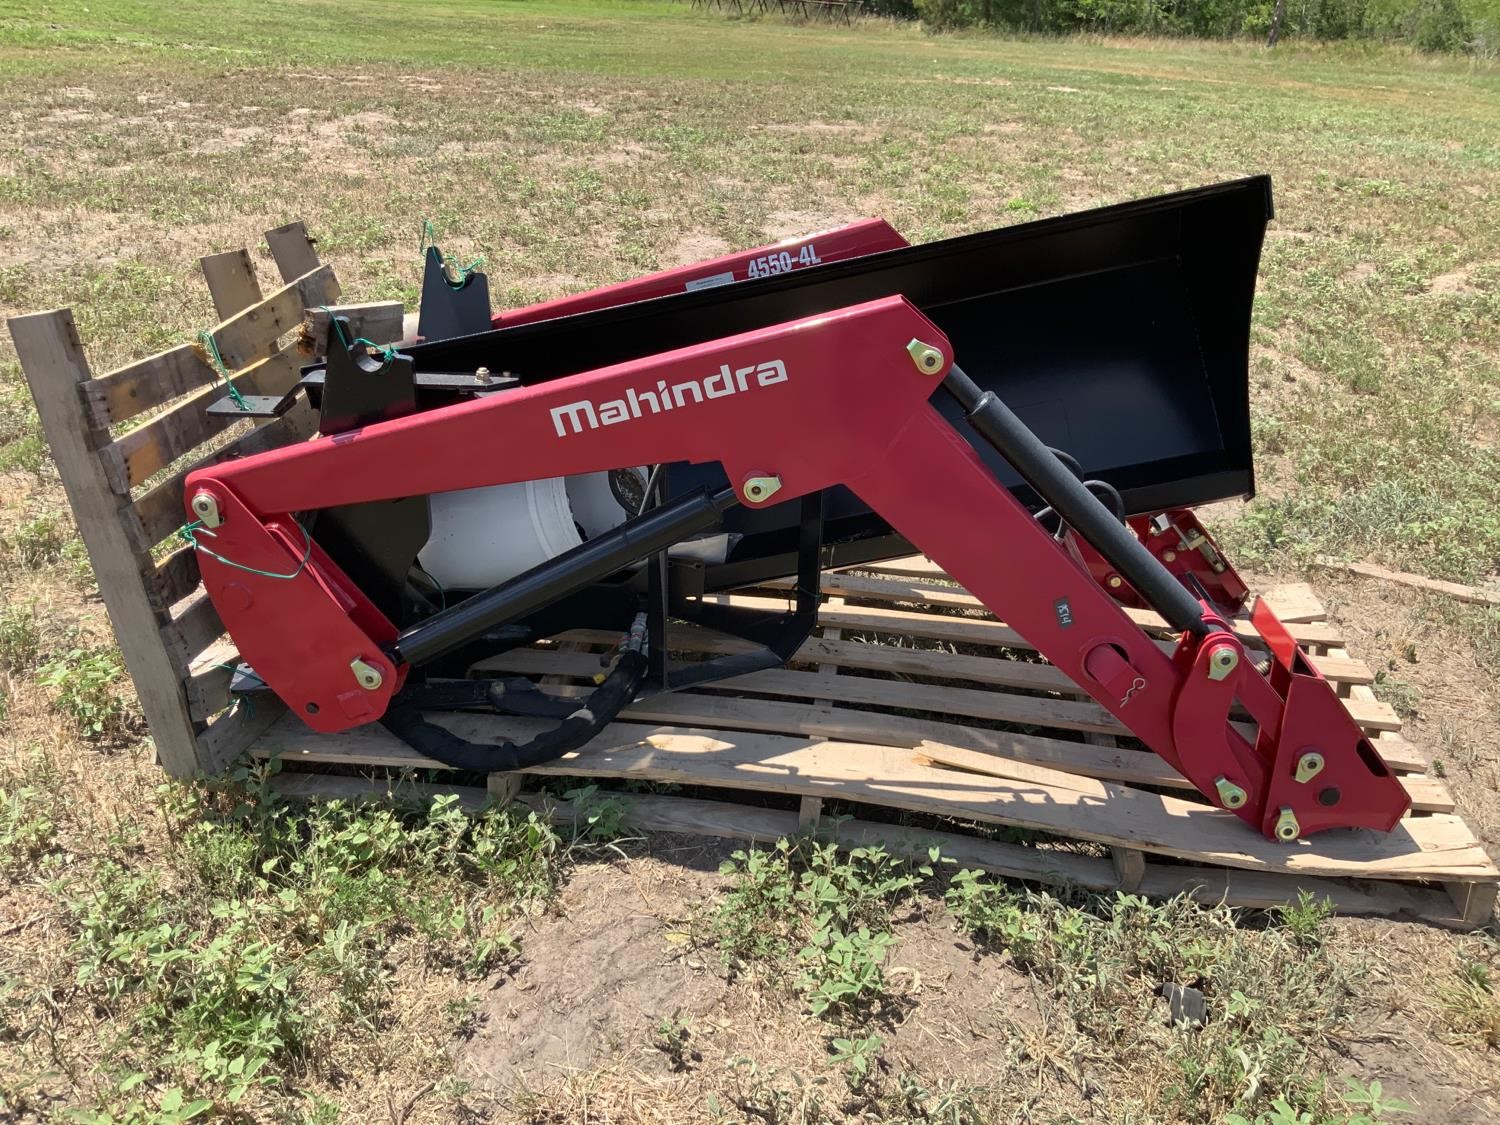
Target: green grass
250,960
1277,998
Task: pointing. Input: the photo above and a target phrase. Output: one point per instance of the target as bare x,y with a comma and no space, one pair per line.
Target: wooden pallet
123,442
911,702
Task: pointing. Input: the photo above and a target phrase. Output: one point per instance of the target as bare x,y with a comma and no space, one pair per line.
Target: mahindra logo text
575,417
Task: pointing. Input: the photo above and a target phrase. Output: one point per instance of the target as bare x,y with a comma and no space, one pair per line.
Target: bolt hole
311,708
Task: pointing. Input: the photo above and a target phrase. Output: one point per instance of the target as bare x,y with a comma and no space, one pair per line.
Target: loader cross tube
826,400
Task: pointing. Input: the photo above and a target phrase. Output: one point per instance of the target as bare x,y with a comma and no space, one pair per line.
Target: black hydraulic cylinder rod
580,566
1076,505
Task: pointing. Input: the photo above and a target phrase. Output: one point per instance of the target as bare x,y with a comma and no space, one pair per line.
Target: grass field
170,952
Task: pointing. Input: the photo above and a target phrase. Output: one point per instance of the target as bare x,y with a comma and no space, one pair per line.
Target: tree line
1430,25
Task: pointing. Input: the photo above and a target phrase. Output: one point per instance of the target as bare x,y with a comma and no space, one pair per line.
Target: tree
1276,23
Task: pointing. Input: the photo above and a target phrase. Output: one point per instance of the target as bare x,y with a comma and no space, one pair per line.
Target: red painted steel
868,236
832,399
1184,547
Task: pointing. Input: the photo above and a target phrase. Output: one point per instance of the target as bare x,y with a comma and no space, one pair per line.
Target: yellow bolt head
1222,660
760,489
1287,828
928,359
1230,794
366,675
206,508
1309,765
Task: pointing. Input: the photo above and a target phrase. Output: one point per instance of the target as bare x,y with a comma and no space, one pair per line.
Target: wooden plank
1135,766
955,597
952,628
1292,602
739,822
940,663
160,511
722,819
53,361
1130,868
1433,847
1471,595
1265,890
294,249
1295,603
1427,794
377,321
148,449
194,626
810,809
208,678
321,787
1474,903
231,281
242,339
1342,669
232,733
1063,714
136,387
173,580
503,787
911,566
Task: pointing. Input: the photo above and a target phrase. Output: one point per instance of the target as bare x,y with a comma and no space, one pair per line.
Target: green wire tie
211,346
189,533
429,238
387,354
245,699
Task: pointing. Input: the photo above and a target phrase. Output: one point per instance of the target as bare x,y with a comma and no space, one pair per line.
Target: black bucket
1119,335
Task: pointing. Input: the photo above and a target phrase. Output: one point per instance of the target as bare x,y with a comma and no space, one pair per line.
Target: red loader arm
868,236
787,410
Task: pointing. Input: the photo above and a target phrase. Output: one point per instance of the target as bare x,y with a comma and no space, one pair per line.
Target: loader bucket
1119,335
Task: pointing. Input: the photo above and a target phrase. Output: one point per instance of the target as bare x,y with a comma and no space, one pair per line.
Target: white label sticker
710,281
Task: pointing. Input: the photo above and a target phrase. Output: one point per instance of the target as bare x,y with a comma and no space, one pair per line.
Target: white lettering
769,373
572,412
575,417
719,384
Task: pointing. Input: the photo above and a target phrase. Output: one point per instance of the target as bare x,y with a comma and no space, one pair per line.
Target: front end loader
1037,409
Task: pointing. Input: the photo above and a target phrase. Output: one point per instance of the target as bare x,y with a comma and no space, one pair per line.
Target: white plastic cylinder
482,536
595,508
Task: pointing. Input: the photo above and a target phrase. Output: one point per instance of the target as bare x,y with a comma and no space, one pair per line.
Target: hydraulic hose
594,713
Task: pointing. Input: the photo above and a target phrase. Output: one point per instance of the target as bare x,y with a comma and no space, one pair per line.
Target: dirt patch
823,129
1455,281
363,121
231,139
1399,1035
697,248
598,976
967,1007
601,972
793,224
1429,670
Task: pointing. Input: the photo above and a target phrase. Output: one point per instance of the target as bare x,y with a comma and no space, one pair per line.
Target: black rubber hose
597,710
1067,459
